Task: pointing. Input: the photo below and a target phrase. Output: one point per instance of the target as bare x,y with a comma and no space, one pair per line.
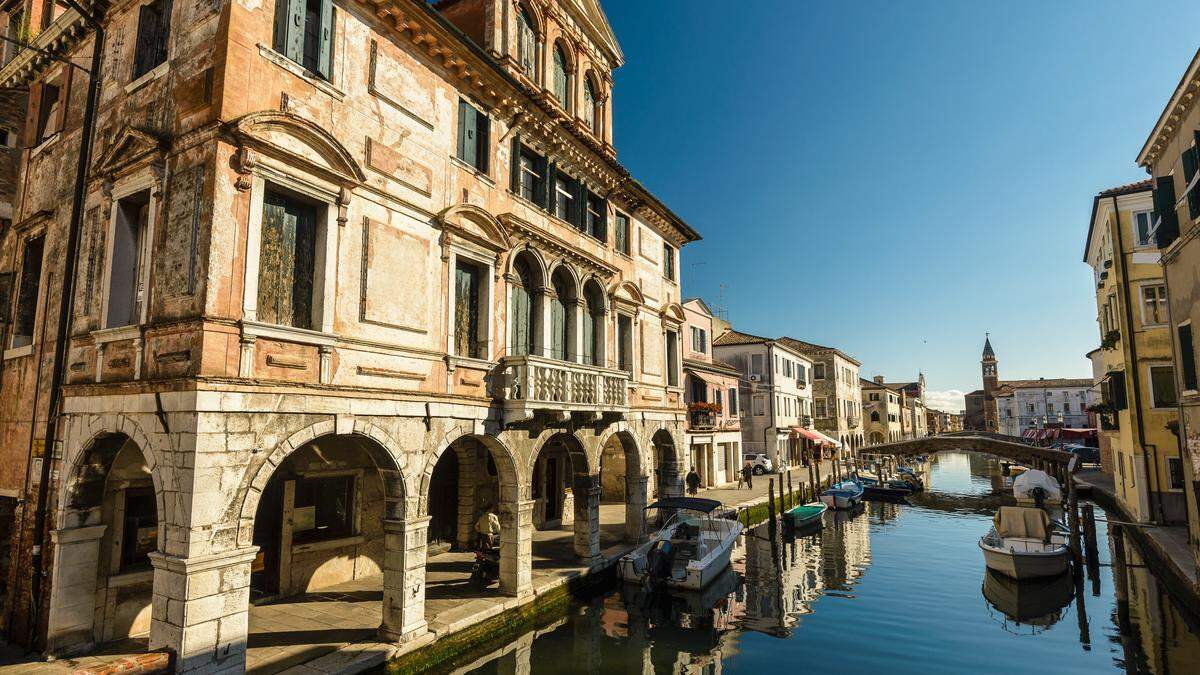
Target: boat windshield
660,517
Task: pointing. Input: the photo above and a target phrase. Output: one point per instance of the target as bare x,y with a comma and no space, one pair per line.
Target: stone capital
74,535
179,565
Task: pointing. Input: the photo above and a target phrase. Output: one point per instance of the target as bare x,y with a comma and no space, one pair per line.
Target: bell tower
991,376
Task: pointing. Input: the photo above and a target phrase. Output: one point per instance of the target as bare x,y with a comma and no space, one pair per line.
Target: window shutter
1193,196
1187,357
462,129
293,40
325,46
603,233
580,204
589,336
548,190
146,40
514,181
164,32
558,318
542,166
1164,208
482,142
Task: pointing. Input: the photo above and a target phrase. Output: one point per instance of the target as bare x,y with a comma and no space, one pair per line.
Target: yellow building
1137,373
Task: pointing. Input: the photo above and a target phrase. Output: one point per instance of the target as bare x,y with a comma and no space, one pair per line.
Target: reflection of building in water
845,549
779,591
1156,636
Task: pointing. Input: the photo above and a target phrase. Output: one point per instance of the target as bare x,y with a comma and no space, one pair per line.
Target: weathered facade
712,391
881,412
837,398
320,246
981,413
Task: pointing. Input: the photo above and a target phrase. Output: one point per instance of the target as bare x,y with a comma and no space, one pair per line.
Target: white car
759,463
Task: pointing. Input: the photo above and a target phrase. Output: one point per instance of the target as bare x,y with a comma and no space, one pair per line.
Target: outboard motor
1039,497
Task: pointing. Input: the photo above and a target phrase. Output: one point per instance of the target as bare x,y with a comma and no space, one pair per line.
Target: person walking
741,474
693,482
748,476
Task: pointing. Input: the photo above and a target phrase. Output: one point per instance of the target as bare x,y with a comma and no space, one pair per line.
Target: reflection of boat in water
683,620
690,551
1036,602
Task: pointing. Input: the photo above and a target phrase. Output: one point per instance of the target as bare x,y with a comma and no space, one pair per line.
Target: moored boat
1035,487
690,547
885,493
1023,544
805,515
844,495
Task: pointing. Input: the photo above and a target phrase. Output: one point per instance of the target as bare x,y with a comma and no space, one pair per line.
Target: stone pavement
334,630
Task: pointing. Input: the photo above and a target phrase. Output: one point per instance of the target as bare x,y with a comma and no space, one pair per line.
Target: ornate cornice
525,232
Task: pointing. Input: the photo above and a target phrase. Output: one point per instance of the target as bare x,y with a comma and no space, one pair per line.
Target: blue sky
897,178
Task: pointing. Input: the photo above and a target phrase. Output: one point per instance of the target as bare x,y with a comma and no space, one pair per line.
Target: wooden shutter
293,37
147,40
325,37
589,335
286,262
514,182
164,32
579,203
466,132
1164,207
549,178
558,325
482,141
1187,357
519,316
602,234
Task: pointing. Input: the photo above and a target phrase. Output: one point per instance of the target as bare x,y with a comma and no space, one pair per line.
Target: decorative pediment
672,311
627,292
475,225
299,142
131,148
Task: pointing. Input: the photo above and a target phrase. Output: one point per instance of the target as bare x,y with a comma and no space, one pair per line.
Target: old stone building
347,275
837,398
881,412
982,413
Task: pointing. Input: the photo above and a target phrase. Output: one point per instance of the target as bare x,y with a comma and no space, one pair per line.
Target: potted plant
1110,340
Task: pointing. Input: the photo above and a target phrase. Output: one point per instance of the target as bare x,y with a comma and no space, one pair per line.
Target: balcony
699,420
852,422
806,421
532,383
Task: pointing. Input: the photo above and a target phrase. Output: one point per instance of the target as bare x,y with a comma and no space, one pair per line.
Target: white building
1044,403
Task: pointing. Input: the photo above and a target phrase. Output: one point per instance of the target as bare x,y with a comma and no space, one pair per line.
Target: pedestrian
748,476
693,482
741,474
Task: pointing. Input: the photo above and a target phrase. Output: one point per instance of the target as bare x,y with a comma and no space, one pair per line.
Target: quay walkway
335,630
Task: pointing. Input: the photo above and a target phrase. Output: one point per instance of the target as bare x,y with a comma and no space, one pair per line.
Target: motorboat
1023,543
885,493
909,476
1035,488
844,495
687,543
805,515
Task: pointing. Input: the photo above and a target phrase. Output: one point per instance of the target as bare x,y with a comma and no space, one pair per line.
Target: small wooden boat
843,496
1024,544
689,550
885,493
806,515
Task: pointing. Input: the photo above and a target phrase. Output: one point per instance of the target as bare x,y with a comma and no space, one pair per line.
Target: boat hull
804,520
1022,566
841,502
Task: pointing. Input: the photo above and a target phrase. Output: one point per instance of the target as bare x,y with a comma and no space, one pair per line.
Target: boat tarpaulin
1024,484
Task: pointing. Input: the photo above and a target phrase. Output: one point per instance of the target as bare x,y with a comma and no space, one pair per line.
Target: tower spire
987,347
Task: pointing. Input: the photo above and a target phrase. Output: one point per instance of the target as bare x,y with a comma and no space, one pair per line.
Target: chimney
878,379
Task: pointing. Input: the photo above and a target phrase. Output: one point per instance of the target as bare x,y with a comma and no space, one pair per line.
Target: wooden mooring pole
771,500
791,495
1073,517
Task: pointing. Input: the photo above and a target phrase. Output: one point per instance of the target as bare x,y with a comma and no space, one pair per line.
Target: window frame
12,349
120,192
138,70
481,163
1154,402
670,265
487,289
279,44
354,517
1133,220
623,234
1161,300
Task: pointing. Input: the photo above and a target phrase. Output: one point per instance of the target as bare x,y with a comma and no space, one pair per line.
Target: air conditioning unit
755,378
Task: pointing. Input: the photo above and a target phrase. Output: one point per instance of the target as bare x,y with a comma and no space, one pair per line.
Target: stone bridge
1006,447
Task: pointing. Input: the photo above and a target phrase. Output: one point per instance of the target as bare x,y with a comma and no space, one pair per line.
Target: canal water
893,589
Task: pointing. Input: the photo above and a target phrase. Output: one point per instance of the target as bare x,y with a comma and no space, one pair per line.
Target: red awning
1029,433
1078,433
814,436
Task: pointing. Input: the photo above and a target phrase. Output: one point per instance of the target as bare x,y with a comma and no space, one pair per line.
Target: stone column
546,327
587,517
72,615
635,502
467,466
201,609
516,548
404,579
670,482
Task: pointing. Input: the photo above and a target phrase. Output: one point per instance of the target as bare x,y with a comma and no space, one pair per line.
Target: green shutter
293,42
482,142
520,319
325,36
468,134
558,326
514,181
589,336
279,38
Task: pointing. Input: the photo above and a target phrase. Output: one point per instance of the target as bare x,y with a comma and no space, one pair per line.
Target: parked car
1086,453
759,463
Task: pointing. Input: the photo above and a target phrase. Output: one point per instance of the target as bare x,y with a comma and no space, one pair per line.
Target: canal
893,589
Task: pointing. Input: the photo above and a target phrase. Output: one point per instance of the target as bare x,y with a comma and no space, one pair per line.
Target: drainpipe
1155,503
64,315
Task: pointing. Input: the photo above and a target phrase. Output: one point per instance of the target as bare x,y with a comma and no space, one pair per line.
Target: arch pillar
405,543
201,609
635,503
587,516
72,614
516,547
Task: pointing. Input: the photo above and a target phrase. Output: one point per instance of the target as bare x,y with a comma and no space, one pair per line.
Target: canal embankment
1168,553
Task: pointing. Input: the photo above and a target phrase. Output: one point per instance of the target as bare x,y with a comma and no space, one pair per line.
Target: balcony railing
853,421
701,421
532,383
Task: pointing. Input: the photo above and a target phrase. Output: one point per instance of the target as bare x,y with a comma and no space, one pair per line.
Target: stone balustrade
532,383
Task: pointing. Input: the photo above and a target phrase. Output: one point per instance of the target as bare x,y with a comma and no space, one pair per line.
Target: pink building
713,430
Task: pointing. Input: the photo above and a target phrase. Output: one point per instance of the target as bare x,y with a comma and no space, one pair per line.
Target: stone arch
299,141
581,461
628,291
475,224
81,478
569,270
669,464
536,17
535,260
629,440
508,467
386,454
673,311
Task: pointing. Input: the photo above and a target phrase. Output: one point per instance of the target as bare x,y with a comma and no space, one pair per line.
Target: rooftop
812,348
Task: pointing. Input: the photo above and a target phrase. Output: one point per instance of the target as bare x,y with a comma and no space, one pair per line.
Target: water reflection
909,575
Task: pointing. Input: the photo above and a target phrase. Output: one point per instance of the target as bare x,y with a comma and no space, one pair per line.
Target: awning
815,436
1078,433
1029,433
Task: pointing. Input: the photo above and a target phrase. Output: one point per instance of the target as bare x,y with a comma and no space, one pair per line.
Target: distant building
981,413
912,399
881,412
711,389
837,399
1060,403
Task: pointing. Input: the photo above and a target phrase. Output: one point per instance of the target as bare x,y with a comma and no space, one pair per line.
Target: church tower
991,377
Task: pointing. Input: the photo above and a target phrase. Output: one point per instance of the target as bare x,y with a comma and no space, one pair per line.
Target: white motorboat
843,496
689,546
1023,543
1026,486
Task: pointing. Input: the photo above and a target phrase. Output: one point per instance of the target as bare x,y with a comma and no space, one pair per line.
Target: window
1175,471
756,364
672,357
760,405
126,286
787,368
154,28
287,260
50,109
473,128
625,343
324,508
595,223
1162,386
523,311
304,33
801,374
527,45
874,416
1142,222
818,371
562,308
820,406
622,233
16,31
669,262
873,396
564,196
589,105
733,402
1154,305
139,531
1166,226
1187,357
699,340
593,325
1067,407
530,176
470,339
562,78
28,293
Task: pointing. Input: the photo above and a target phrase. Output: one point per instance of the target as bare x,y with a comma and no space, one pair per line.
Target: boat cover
690,503
1024,484
1023,522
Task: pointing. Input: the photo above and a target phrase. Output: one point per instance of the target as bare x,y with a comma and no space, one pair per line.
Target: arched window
591,114
593,325
562,78
874,416
562,315
523,310
527,44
